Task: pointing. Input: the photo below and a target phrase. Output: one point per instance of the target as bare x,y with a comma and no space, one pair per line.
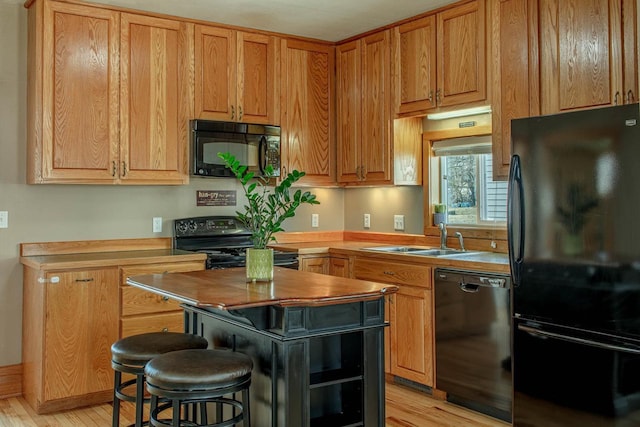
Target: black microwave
253,145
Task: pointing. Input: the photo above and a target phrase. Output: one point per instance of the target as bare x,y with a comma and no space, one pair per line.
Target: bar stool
131,354
188,377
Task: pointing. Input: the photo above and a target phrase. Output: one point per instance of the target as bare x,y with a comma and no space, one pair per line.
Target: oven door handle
546,334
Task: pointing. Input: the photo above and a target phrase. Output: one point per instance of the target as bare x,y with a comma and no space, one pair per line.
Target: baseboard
10,381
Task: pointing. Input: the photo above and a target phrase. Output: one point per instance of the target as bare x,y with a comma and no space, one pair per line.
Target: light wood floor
406,407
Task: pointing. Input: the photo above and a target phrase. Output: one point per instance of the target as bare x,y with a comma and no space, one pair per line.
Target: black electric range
224,239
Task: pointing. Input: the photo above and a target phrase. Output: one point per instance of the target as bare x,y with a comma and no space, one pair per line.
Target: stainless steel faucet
461,240
443,235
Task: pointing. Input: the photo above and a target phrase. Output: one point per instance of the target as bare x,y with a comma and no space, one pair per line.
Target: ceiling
331,20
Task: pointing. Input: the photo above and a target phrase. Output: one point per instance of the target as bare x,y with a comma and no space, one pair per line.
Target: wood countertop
109,259
228,289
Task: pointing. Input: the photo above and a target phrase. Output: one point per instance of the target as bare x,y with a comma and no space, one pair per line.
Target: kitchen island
316,341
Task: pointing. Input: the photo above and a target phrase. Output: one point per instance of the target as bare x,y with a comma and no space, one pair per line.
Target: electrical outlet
4,219
315,220
398,222
157,224
367,221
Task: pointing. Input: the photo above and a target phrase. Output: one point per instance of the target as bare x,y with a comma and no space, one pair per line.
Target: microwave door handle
262,154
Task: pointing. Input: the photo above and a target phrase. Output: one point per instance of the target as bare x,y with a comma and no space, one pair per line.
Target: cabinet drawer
177,267
167,322
138,301
392,272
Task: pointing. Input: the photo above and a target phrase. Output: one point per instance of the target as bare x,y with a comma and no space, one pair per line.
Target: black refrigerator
574,250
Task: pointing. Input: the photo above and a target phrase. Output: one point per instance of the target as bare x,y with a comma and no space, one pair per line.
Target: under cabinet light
459,113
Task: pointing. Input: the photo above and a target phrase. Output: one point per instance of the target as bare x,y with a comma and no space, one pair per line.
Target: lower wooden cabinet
141,311
409,341
331,265
70,321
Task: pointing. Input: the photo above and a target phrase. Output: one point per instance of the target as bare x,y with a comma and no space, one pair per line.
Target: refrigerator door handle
515,218
546,334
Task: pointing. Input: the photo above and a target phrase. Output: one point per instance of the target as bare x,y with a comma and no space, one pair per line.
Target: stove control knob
182,227
193,226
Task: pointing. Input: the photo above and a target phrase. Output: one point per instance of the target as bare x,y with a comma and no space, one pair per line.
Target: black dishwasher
473,340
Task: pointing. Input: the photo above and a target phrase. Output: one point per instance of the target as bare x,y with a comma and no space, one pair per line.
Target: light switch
4,219
398,222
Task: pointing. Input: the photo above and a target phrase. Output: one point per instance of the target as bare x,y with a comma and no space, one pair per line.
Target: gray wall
39,213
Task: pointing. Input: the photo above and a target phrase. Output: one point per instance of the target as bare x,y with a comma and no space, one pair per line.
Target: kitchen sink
440,252
395,249
493,257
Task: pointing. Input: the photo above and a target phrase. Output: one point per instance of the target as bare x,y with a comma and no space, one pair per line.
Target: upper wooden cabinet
307,139
363,115
515,74
440,60
108,96
236,76
584,54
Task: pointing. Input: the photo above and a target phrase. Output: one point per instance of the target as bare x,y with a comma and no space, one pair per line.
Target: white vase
259,265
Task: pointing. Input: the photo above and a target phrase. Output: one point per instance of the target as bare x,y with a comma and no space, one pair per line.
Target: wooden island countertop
228,289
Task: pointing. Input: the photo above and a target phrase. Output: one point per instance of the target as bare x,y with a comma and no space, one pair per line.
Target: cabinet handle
284,171
615,98
233,112
165,329
630,97
165,298
124,168
363,172
113,171
240,112
430,98
389,273
438,96
85,280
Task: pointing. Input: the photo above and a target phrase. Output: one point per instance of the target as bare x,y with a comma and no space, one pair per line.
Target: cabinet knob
438,96
233,112
630,97
165,298
165,329
615,98
430,98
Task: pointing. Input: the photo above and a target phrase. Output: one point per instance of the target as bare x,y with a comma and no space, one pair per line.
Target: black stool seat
200,376
137,350
131,354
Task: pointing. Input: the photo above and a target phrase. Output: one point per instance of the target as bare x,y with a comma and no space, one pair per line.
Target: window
465,182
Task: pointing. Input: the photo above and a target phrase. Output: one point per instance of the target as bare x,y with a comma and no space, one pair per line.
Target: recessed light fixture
460,113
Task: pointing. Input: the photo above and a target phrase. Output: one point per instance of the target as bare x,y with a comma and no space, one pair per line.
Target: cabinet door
412,334
515,76
215,70
77,65
257,84
349,90
630,50
375,140
315,264
462,74
81,324
340,267
307,141
155,99
415,62
580,54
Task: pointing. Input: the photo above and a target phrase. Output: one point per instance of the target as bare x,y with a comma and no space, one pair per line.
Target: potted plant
440,212
266,209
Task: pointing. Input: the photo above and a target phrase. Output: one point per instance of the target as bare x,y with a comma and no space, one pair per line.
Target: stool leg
176,413
246,408
153,406
204,419
116,402
139,399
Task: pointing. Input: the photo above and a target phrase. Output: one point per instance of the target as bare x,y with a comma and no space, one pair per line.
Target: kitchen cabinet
339,266
236,76
363,115
75,305
515,74
108,96
69,323
307,141
331,265
141,311
440,60
587,57
411,336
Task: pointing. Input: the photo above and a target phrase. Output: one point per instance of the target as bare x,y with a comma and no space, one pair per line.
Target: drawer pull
85,280
389,273
165,329
165,298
